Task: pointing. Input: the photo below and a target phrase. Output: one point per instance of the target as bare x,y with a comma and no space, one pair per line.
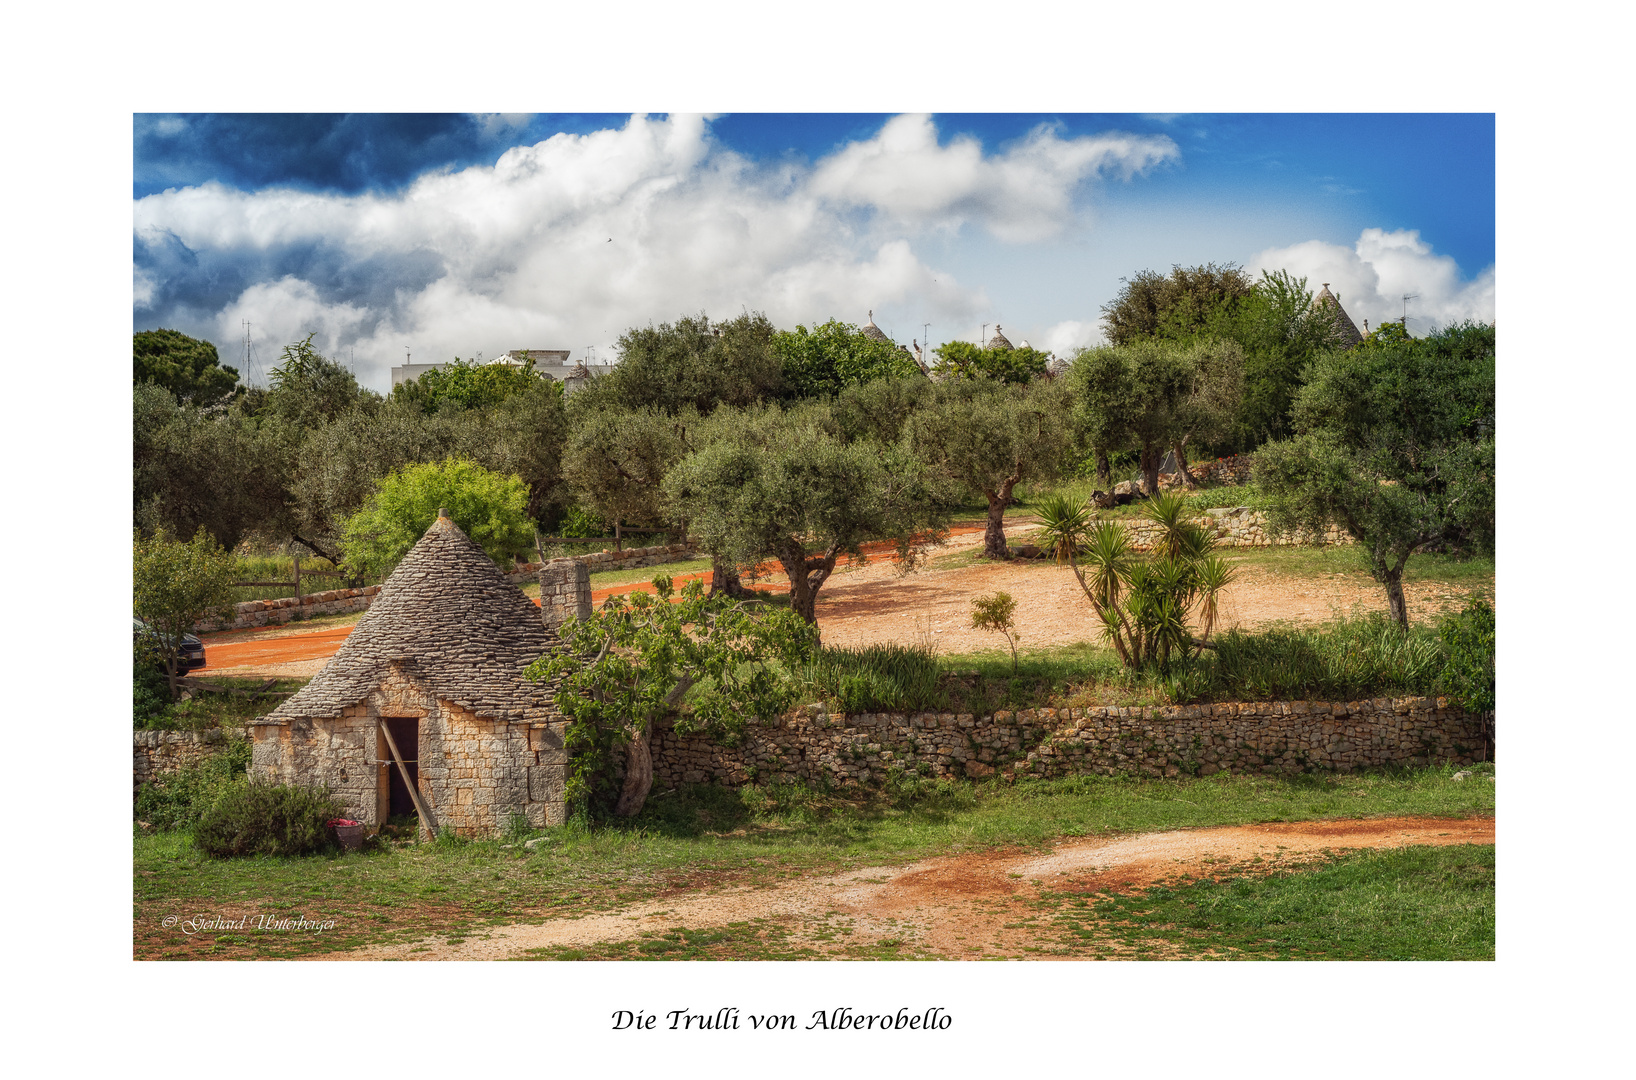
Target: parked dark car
190,657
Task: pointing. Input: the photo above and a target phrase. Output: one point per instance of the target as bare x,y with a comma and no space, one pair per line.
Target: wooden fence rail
296,584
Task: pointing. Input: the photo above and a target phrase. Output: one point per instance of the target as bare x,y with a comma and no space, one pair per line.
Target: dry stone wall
156,753
269,612
1237,526
817,746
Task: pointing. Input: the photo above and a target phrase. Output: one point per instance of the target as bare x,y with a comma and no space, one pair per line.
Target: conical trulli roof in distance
873,332
456,624
999,340
1344,326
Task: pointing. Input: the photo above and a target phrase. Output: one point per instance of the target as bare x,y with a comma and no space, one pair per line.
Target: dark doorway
406,734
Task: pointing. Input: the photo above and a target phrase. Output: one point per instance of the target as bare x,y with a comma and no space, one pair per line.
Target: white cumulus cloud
569,242
1022,195
1372,277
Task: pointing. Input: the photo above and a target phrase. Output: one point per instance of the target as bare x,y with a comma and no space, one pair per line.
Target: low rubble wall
816,746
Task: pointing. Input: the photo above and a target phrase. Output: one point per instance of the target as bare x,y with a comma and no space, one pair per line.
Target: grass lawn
1411,903
702,838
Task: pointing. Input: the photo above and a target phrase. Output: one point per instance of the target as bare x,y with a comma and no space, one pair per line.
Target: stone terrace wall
157,752
253,613
266,612
1266,737
1235,527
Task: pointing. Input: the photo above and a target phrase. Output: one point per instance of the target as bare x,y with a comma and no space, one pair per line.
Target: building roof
459,628
1344,326
998,341
870,330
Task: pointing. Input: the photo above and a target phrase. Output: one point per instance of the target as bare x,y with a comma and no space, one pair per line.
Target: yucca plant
1065,525
1144,604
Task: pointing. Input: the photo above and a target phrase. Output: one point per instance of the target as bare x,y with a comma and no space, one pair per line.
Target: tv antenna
926,334
984,335
1406,298
406,356
252,371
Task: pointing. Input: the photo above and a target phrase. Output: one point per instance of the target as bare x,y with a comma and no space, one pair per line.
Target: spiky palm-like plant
1144,603
1064,526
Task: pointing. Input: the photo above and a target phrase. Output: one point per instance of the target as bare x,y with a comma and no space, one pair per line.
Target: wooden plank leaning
427,821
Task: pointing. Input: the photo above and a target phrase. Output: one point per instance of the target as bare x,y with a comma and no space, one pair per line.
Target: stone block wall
565,590
473,774
268,612
155,753
814,745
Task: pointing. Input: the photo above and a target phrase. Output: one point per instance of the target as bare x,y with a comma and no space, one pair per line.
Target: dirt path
958,907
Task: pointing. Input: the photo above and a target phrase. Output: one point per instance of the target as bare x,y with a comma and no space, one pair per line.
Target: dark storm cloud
336,152
186,282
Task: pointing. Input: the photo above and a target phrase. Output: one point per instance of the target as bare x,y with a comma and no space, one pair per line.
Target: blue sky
444,235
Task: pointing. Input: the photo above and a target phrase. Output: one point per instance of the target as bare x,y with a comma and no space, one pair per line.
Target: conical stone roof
873,332
998,341
457,626
1344,326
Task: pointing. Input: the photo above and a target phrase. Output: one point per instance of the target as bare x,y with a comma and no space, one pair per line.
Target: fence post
298,581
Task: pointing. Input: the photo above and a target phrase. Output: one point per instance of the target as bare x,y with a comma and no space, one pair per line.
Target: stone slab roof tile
450,616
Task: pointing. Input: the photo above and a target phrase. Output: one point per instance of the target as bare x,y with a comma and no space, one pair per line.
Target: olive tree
1395,445
784,485
1152,396
989,437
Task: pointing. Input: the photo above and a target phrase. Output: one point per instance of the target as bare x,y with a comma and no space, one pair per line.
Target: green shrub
877,678
150,695
267,819
178,800
1468,640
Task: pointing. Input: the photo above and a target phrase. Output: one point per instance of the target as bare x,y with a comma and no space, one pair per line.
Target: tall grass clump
1353,657
876,678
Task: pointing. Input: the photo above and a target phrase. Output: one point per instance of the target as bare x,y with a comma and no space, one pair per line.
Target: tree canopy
636,659
777,484
1152,395
988,437
819,362
309,389
470,385
691,362
963,360
187,367
1174,305
174,585
1394,444
488,507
